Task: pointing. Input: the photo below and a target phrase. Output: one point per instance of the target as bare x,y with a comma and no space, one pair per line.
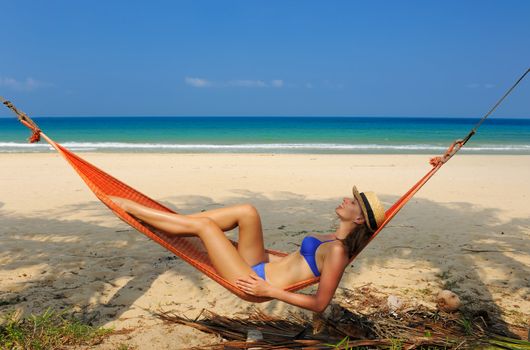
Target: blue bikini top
308,250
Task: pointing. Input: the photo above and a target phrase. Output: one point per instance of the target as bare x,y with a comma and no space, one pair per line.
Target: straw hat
373,210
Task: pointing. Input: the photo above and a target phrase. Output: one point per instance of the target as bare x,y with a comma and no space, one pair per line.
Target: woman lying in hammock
253,270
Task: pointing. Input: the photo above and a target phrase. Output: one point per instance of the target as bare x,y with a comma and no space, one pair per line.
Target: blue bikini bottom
259,269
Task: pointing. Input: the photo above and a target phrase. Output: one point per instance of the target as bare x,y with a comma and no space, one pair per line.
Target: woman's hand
254,285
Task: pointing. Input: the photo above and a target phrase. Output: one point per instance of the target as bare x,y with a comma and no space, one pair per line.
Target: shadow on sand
106,275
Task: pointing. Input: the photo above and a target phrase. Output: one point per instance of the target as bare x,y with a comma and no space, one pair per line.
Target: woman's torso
294,267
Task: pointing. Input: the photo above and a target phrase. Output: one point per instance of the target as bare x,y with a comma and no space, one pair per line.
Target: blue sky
337,58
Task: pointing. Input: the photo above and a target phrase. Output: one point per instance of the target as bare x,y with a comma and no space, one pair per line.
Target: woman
261,274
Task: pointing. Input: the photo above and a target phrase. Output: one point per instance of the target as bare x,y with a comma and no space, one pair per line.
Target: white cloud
198,82
244,83
277,83
247,83
29,84
472,85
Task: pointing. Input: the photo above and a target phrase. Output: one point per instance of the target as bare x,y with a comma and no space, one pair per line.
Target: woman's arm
332,271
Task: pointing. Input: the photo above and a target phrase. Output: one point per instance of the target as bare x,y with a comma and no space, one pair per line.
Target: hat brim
365,208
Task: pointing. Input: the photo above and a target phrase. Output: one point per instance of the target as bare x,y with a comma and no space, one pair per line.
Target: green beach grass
48,330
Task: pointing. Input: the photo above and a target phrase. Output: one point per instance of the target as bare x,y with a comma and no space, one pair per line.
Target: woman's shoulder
335,246
336,255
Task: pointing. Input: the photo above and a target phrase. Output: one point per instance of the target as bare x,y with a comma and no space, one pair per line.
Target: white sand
61,247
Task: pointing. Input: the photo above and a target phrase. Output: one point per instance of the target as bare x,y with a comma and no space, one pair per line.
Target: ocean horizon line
266,116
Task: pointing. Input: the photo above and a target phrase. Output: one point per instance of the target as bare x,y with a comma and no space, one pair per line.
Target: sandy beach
60,247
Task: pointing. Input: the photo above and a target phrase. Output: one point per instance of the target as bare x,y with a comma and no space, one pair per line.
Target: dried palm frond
364,321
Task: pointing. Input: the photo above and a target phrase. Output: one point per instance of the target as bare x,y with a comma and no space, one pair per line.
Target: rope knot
455,146
35,136
435,161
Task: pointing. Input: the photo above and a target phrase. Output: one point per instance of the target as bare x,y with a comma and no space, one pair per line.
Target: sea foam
252,148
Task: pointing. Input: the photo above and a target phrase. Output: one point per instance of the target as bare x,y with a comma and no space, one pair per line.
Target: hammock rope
191,249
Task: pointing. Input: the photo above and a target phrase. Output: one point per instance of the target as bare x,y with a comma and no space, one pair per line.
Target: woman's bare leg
245,216
223,255
220,249
168,222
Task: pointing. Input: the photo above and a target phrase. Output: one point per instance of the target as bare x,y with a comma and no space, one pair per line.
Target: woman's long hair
357,240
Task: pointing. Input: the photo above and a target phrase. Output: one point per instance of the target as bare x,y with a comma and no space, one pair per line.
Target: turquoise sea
337,135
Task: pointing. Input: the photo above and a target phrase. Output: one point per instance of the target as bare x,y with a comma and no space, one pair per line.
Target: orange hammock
191,249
